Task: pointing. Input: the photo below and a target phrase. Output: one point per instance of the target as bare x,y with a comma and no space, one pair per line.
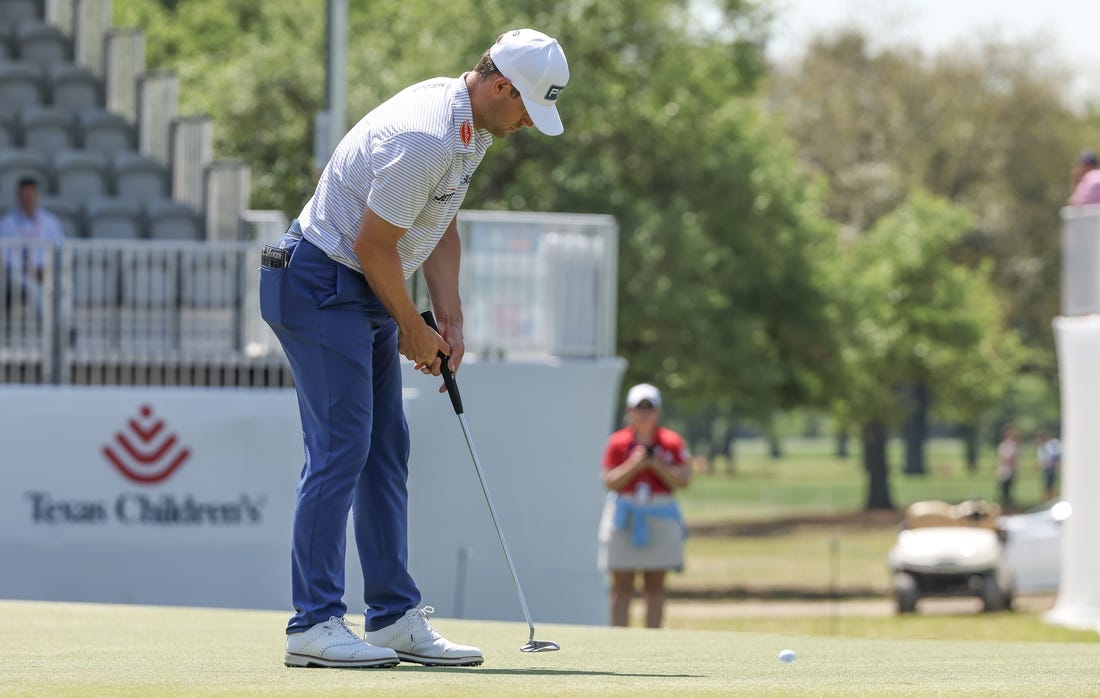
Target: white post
91,20
157,108
335,82
1077,334
331,122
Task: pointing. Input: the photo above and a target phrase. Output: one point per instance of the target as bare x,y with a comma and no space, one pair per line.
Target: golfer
641,529
334,292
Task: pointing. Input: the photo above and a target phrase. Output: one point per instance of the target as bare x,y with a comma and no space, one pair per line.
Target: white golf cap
643,391
535,64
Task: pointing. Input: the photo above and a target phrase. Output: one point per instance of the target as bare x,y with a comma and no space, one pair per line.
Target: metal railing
126,312
28,313
539,283
132,312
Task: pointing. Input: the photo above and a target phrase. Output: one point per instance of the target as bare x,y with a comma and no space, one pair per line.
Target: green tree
720,290
913,315
987,127
721,238
256,67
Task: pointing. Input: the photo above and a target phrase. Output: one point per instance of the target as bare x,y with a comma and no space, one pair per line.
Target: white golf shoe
334,644
415,640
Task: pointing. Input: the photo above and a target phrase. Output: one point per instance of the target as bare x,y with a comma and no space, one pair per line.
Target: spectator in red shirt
641,529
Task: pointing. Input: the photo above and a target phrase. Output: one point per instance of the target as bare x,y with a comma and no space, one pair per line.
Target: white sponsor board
184,496
1078,340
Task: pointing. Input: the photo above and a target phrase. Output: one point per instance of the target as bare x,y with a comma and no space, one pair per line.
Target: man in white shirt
334,292
25,263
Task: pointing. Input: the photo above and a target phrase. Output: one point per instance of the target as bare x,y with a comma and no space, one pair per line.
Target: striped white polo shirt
410,160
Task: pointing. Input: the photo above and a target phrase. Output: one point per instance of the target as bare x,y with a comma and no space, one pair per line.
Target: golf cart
951,550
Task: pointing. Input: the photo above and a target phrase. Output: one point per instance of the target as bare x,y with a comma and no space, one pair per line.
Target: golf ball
786,656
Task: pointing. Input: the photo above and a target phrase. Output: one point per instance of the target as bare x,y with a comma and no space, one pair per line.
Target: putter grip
448,377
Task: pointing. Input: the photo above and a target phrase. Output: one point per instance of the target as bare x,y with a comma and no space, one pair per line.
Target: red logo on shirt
467,132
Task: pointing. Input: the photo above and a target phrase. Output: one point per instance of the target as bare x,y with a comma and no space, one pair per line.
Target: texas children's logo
145,453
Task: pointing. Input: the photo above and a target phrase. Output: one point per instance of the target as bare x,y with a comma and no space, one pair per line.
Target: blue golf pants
342,347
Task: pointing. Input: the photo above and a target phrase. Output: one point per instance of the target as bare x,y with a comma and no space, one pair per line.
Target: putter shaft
456,402
496,524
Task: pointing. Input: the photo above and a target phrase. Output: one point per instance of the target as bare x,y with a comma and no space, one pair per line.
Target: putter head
536,646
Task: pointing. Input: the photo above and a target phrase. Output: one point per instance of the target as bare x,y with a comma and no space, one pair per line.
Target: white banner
152,495
185,495
1078,341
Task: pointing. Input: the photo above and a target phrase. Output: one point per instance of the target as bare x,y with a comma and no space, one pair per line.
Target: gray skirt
619,548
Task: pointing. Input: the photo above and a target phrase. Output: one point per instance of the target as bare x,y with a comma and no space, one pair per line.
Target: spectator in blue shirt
24,262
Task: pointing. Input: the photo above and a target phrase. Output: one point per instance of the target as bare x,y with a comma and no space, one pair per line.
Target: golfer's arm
376,249
441,276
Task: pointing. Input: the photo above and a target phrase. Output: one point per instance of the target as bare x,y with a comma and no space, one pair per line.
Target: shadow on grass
544,672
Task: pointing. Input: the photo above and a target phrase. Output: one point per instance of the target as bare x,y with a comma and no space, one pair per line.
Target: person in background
25,267
1049,455
641,529
1008,462
1086,180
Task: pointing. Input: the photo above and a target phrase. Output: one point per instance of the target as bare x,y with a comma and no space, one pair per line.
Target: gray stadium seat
111,218
7,49
139,177
16,164
172,220
210,291
104,132
46,130
73,88
14,12
41,43
150,277
95,275
9,136
67,211
148,317
95,298
80,175
21,85
211,278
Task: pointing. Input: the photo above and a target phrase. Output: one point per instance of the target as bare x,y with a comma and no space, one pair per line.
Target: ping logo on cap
553,92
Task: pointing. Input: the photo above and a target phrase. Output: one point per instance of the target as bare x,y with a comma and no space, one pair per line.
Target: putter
532,645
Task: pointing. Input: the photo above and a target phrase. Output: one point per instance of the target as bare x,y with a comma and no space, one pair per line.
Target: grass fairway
810,479
59,649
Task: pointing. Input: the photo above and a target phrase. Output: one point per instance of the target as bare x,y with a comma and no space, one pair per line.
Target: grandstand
155,283
148,288
79,111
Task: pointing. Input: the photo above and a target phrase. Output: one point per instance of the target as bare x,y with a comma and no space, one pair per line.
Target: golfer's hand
422,345
452,334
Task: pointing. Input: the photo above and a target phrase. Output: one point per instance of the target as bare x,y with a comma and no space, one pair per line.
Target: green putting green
60,649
